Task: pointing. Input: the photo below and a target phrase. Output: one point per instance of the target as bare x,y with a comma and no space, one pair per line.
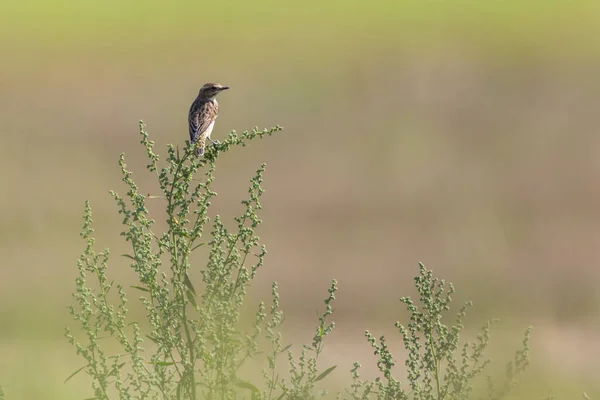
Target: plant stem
178,273
437,365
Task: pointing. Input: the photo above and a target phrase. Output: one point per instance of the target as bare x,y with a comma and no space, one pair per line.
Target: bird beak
224,88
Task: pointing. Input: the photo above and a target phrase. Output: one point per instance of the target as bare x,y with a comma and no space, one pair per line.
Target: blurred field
458,133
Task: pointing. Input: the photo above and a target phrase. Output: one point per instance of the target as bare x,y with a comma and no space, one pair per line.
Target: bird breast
209,129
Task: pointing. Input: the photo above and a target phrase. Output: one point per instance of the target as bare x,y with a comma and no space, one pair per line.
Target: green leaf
246,385
75,373
286,348
152,338
325,373
191,298
118,367
199,245
188,282
163,363
143,289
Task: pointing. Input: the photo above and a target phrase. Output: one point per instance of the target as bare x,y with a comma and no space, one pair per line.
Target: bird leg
215,142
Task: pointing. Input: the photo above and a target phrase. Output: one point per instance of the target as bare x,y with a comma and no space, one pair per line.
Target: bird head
210,90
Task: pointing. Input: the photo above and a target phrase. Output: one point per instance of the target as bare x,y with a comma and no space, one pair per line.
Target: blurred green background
463,134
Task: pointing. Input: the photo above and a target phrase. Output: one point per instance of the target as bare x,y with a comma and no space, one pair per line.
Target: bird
203,113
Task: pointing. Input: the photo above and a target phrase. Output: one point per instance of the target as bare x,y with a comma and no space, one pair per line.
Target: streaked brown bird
203,113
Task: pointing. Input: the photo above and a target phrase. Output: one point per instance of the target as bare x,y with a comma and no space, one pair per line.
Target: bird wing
202,115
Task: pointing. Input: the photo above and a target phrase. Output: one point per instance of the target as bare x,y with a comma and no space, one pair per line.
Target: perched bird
203,113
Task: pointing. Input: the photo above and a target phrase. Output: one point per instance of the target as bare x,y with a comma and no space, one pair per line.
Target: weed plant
193,344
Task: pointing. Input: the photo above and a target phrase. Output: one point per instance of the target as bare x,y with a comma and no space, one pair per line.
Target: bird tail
202,144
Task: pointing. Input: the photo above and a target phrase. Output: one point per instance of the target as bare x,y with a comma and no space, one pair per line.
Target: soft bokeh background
463,134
